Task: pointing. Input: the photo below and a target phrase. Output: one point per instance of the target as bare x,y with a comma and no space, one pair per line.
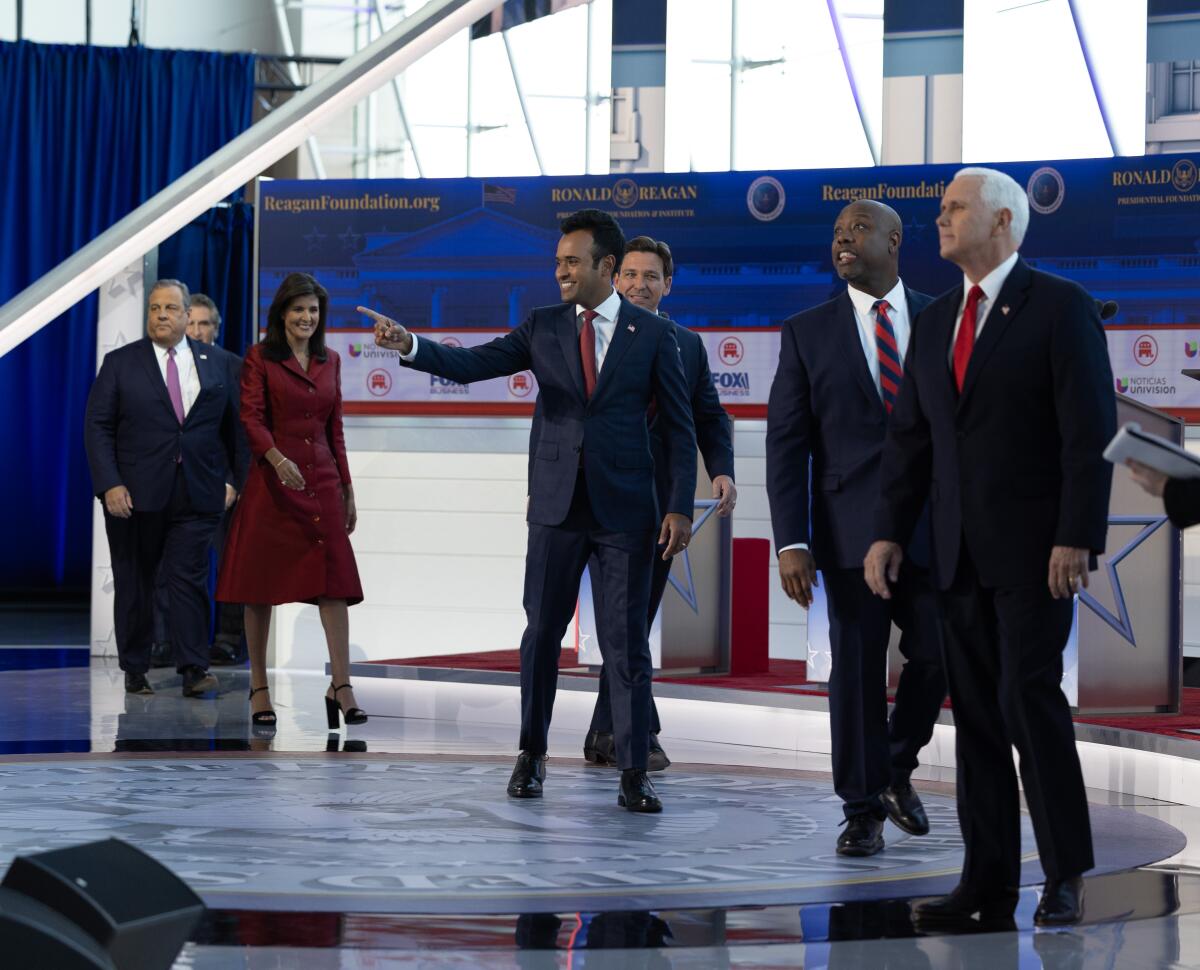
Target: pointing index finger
377,317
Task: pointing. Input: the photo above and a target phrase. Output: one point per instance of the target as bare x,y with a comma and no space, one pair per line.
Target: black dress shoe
197,682
161,654
137,684
637,794
964,902
223,654
600,749
1061,903
527,776
863,836
658,760
904,808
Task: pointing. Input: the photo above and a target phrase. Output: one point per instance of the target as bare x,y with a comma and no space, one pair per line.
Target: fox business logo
734,383
443,385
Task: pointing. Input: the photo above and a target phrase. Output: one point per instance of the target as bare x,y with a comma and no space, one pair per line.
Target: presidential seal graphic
625,193
765,198
1183,175
1045,190
435,834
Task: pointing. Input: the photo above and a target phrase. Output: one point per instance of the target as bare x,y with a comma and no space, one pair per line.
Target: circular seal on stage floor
439,836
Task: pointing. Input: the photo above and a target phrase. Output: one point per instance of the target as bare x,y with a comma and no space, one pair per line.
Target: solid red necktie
587,350
964,343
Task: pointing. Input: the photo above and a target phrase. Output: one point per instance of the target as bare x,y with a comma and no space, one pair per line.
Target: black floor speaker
33,935
138,911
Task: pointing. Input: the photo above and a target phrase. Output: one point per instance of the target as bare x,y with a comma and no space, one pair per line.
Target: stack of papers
1131,442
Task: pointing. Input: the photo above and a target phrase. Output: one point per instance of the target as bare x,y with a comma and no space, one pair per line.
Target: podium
691,632
1125,650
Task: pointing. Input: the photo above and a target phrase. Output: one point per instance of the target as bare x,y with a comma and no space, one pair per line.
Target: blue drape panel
214,255
89,133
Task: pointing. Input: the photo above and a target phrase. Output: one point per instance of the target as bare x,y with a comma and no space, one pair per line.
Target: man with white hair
1001,422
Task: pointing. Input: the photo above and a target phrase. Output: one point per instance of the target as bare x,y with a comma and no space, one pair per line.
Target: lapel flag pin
632,328
1004,309
204,356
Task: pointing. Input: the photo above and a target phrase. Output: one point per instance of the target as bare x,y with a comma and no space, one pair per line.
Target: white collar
607,310
864,302
180,348
994,281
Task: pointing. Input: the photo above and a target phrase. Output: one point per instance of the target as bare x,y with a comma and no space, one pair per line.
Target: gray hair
202,299
160,284
999,191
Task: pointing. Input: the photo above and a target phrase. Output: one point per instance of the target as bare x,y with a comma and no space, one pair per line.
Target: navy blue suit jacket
825,411
132,436
1014,465
607,435
714,436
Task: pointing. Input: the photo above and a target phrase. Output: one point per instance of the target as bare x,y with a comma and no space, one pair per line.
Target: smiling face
300,320
581,278
866,247
166,318
642,280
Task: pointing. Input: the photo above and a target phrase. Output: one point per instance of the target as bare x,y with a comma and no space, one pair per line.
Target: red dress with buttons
287,545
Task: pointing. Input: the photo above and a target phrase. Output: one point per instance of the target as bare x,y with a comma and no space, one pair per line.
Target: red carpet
790,677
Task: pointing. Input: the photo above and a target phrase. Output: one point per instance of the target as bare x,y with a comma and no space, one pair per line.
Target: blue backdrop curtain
214,255
89,133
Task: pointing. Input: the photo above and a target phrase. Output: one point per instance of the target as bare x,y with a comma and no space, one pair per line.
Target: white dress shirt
991,285
189,380
898,314
605,325
864,315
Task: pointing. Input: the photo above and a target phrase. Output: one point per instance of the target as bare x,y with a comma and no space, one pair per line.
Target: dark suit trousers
1004,659
553,567
172,543
870,750
602,720
230,622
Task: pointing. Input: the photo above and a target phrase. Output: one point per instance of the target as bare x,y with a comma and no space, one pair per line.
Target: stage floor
393,843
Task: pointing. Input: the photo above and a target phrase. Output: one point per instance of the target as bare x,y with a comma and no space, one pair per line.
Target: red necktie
964,343
587,351
890,369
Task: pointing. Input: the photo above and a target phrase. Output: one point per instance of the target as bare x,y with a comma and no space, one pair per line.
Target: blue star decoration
689,592
1120,621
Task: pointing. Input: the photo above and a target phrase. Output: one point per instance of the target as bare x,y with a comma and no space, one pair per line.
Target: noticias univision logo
356,350
1191,347
1122,385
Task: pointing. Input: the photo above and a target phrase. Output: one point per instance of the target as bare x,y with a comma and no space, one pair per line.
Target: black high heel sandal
356,715
262,721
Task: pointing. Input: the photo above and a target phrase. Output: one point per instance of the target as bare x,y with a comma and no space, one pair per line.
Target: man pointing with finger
839,371
1002,420
599,362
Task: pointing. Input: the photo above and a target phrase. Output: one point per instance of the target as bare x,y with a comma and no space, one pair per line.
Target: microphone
1107,309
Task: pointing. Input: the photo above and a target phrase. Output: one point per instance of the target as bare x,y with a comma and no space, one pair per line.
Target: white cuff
411,355
794,545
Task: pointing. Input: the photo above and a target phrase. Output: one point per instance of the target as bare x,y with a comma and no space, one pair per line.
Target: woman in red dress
289,540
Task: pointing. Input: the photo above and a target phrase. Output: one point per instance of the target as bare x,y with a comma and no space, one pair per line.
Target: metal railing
239,161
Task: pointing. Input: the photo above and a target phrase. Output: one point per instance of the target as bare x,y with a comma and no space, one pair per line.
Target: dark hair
201,299
274,345
166,284
607,238
644,244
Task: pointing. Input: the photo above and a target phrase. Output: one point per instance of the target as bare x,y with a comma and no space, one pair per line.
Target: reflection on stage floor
393,844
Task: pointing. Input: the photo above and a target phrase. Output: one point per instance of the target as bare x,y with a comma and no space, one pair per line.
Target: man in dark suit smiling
161,439
839,372
599,361
1002,420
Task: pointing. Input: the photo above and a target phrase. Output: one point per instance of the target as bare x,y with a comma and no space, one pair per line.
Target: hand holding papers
1131,443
